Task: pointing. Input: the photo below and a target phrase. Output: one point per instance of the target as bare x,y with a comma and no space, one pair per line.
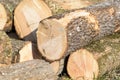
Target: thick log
29,70
79,27
105,51
27,16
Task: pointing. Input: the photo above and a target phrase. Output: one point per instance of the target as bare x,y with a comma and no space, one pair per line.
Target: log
9,6
29,70
105,52
60,6
9,49
82,65
5,21
63,34
27,16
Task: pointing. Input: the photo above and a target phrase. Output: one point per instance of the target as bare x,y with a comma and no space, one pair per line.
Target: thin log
105,51
79,27
29,70
27,16
9,6
5,20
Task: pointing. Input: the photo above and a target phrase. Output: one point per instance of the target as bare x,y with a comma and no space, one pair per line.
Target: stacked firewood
58,35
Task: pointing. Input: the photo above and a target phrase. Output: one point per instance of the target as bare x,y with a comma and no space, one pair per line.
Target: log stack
74,40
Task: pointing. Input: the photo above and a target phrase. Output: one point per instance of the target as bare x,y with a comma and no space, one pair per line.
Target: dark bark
29,70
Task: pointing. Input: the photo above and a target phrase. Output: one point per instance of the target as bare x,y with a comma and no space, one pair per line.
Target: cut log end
52,40
28,52
3,17
28,14
82,65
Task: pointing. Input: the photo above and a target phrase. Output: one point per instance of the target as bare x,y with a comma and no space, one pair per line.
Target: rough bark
29,70
82,26
5,48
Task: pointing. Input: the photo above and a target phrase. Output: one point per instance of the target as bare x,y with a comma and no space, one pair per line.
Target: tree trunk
105,51
29,70
79,27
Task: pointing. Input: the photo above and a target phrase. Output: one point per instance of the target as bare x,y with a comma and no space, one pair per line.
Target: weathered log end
27,16
82,65
52,40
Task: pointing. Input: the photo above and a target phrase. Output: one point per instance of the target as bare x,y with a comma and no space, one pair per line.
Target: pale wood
55,65
26,52
52,40
82,65
58,66
27,16
5,23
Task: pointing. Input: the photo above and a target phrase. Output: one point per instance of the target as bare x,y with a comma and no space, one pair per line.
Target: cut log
29,70
76,28
82,65
28,52
27,16
51,40
5,20
106,52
